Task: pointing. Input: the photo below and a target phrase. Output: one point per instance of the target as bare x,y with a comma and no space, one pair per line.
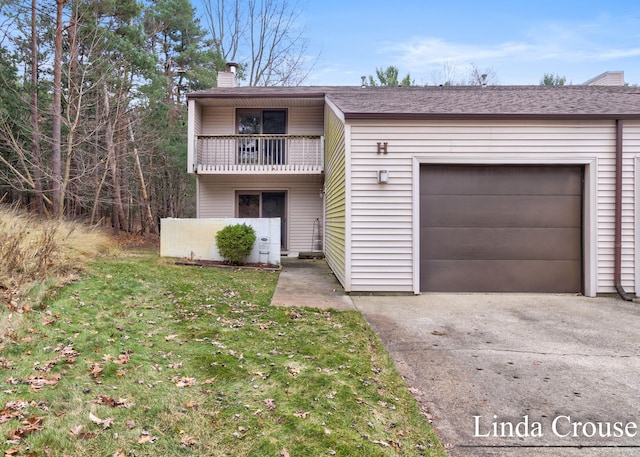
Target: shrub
235,242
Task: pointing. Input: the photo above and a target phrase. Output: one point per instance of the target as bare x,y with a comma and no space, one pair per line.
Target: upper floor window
264,151
262,121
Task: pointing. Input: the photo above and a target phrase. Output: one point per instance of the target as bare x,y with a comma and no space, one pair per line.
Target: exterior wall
385,232
195,239
301,121
335,198
306,121
631,181
216,194
193,128
217,198
218,121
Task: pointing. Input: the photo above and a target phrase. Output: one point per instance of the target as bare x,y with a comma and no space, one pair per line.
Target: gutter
617,271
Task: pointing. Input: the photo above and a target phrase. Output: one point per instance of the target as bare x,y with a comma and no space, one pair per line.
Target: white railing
259,153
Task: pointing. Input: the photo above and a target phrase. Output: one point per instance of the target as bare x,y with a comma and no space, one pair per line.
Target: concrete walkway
310,282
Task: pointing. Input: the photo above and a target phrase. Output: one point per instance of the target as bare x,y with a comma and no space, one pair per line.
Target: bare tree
56,120
448,75
482,77
264,37
451,75
35,118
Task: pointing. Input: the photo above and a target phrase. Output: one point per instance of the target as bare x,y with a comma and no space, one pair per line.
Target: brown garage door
501,228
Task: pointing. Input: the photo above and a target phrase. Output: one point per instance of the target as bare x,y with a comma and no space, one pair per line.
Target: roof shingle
458,101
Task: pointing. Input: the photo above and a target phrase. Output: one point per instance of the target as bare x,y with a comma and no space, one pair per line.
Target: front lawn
142,357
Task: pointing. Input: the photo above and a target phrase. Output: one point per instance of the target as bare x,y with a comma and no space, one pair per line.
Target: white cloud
423,53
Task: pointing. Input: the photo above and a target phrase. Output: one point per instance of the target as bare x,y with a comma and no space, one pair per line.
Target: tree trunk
143,187
119,219
35,123
56,121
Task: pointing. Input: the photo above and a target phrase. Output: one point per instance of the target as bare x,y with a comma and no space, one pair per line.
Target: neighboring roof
608,78
446,102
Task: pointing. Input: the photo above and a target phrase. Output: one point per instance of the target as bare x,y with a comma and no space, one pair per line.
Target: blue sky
519,40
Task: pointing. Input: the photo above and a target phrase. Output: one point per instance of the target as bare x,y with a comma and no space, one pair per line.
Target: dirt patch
137,240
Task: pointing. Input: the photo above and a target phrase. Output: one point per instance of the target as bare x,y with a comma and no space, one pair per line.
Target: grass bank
37,255
141,357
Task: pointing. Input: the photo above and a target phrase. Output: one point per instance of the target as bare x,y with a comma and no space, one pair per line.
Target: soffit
261,102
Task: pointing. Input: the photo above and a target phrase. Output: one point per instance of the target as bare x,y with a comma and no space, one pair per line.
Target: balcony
259,154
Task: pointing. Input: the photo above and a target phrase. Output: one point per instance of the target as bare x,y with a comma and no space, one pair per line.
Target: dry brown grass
36,254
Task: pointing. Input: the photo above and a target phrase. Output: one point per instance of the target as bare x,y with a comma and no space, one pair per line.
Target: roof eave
490,116
230,95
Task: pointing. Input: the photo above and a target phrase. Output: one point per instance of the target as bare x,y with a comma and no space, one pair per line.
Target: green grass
142,357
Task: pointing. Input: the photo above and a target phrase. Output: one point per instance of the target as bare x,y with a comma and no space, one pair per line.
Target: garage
506,228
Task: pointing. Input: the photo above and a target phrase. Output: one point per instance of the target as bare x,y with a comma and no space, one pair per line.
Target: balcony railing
259,153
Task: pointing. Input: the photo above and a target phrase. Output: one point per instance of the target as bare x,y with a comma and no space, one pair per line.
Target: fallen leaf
171,337
38,382
184,382
144,439
284,453
75,431
381,443
270,404
31,424
122,359
302,415
188,440
105,423
95,369
113,402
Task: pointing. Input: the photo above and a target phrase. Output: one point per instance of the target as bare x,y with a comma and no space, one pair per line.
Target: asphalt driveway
518,375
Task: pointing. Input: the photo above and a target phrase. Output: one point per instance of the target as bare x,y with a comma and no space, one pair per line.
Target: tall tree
264,37
56,118
549,79
389,77
35,118
113,145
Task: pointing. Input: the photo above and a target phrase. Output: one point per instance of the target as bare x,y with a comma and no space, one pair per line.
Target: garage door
501,228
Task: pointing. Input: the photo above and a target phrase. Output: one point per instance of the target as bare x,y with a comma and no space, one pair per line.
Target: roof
446,102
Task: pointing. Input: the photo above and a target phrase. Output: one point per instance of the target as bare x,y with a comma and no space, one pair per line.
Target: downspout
617,271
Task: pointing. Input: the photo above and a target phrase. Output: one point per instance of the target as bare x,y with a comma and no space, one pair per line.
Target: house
420,189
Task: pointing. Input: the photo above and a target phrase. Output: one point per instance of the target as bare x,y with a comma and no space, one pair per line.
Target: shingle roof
459,101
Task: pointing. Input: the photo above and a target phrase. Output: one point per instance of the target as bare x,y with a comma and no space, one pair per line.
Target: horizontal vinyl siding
630,224
218,121
306,121
384,212
301,121
193,129
335,203
217,193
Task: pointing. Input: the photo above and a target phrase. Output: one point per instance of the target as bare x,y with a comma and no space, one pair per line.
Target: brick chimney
228,77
